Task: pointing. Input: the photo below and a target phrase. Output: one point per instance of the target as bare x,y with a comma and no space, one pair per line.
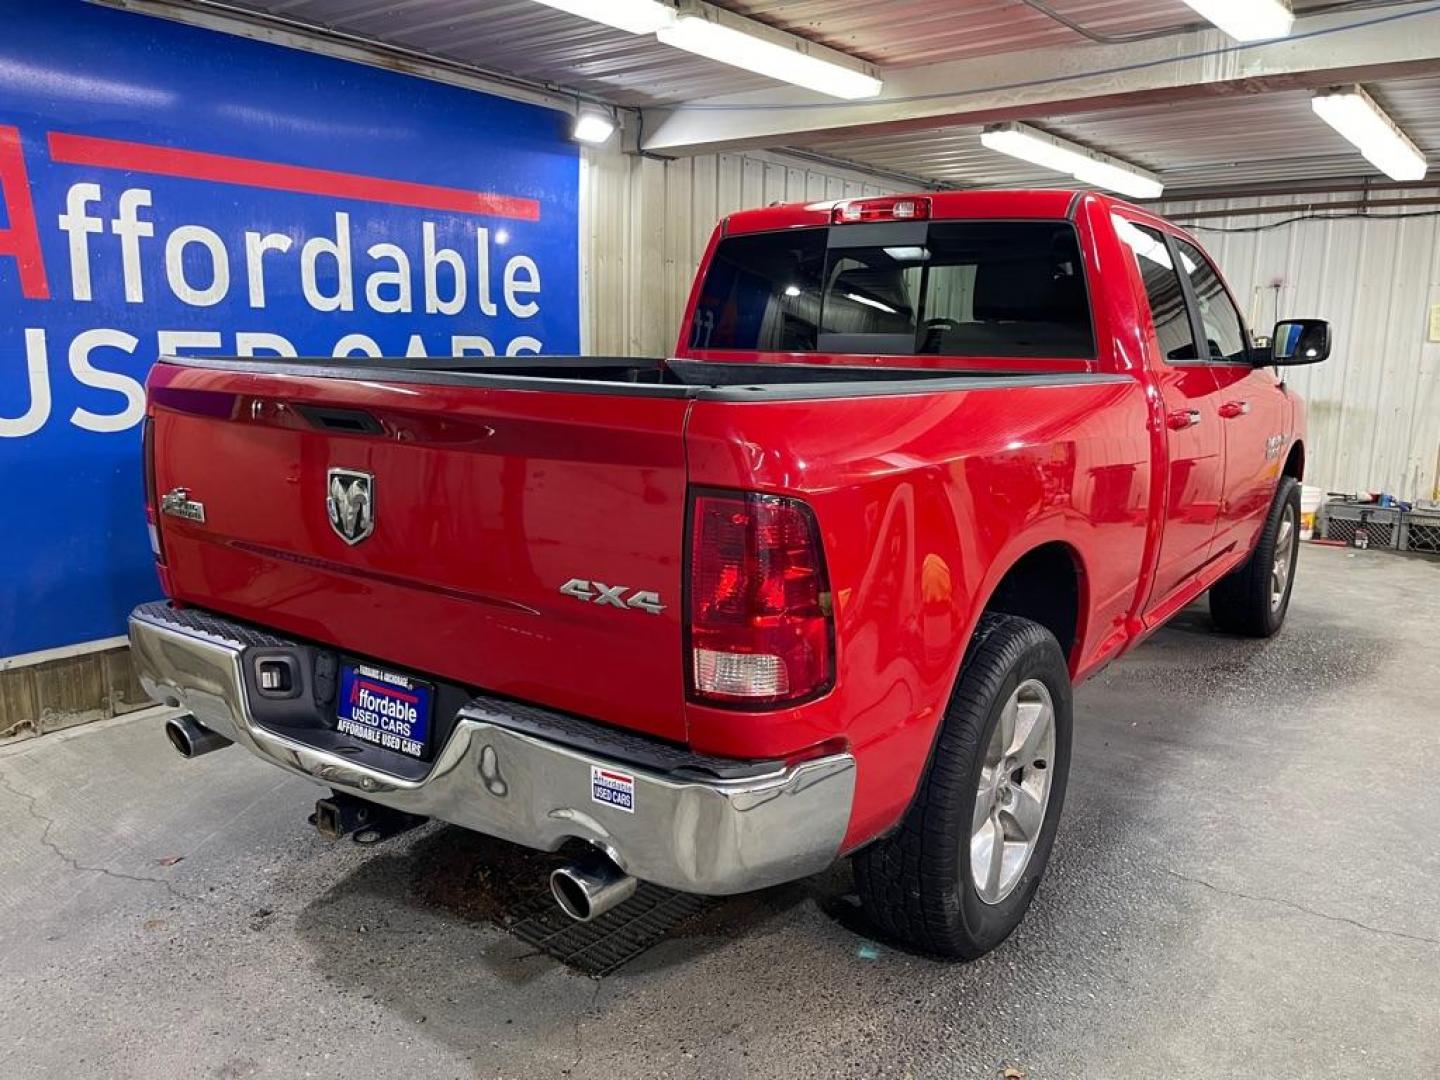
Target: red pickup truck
817,586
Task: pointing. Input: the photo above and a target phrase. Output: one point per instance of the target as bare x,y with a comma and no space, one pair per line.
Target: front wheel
958,875
1253,599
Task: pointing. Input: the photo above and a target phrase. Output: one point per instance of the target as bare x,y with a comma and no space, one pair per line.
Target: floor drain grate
604,944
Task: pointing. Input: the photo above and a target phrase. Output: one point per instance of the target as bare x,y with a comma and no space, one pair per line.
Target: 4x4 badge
618,596
350,504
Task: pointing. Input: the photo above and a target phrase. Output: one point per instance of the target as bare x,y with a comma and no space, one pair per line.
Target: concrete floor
1246,883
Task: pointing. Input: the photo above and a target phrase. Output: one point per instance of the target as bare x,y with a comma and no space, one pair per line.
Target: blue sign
166,189
385,708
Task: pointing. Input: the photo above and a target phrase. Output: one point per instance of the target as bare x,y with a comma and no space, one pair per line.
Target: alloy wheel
1285,543
1013,792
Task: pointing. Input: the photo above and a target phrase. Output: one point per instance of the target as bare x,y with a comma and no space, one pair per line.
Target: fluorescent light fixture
1125,179
1248,20
593,126
708,37
632,16
1353,113
1049,152
876,304
792,290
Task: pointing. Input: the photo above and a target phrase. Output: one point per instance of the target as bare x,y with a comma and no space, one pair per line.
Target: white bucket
1310,501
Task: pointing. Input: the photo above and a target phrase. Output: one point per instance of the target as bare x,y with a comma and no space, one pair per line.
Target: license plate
384,708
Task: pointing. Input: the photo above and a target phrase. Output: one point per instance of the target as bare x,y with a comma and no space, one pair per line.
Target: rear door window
1173,329
956,288
1225,337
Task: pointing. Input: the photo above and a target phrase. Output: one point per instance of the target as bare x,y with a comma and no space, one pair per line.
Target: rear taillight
152,503
761,622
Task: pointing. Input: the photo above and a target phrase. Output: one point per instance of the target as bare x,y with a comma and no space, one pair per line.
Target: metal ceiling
1222,142
525,39
539,43
902,33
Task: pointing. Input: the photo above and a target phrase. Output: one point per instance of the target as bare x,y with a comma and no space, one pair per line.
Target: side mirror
1300,341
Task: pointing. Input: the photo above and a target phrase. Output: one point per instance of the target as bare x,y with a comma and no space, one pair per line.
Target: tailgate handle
346,421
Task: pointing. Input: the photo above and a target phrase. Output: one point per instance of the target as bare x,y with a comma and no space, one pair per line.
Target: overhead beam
1341,47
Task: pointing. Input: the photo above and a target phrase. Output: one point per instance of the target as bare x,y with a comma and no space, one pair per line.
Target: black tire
1242,602
916,884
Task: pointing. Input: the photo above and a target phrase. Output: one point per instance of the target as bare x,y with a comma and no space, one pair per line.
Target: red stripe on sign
250,172
390,691
621,777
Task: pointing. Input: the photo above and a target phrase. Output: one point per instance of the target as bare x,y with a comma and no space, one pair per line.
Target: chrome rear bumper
689,832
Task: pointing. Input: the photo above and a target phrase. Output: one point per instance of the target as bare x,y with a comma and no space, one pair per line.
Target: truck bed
651,377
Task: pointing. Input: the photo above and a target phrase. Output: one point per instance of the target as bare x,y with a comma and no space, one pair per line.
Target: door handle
1181,419
1232,409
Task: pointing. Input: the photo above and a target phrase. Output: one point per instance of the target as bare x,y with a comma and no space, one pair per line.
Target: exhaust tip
570,895
590,886
190,739
176,735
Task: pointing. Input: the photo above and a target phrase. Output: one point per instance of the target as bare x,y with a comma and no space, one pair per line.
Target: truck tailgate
485,503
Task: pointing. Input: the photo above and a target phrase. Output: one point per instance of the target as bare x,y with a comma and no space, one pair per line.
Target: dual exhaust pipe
585,889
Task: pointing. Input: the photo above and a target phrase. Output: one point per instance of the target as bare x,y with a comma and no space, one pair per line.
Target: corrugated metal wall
1375,405
644,224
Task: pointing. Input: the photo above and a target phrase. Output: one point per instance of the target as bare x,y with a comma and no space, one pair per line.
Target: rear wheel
958,875
1253,599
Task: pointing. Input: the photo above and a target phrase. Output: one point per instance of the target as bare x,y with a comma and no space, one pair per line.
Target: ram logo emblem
350,504
618,596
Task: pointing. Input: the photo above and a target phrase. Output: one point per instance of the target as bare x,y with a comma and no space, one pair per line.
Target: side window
1224,332
1164,290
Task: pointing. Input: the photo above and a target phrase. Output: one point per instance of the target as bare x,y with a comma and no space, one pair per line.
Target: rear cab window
937,288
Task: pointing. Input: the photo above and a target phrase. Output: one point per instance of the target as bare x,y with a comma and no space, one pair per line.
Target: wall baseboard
67,691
